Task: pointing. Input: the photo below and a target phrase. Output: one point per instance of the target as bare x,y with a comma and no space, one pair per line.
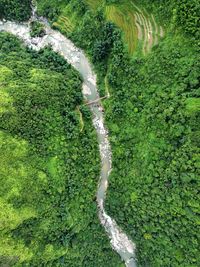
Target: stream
76,57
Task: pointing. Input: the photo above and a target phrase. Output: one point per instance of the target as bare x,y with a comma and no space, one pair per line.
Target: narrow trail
76,57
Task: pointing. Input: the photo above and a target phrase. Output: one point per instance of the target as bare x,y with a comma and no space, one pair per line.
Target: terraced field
140,28
148,31
66,21
125,20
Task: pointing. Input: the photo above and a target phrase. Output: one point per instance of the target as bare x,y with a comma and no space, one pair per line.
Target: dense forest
19,10
153,121
152,117
154,128
49,164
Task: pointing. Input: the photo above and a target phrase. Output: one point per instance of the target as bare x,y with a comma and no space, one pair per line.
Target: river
76,57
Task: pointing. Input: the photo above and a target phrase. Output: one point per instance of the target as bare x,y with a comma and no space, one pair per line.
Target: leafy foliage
51,9
183,14
152,118
19,10
49,166
37,29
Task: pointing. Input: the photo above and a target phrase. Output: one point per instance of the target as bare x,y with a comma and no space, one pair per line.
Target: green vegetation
152,117
94,4
19,10
140,29
124,18
182,15
154,131
49,164
153,120
37,29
